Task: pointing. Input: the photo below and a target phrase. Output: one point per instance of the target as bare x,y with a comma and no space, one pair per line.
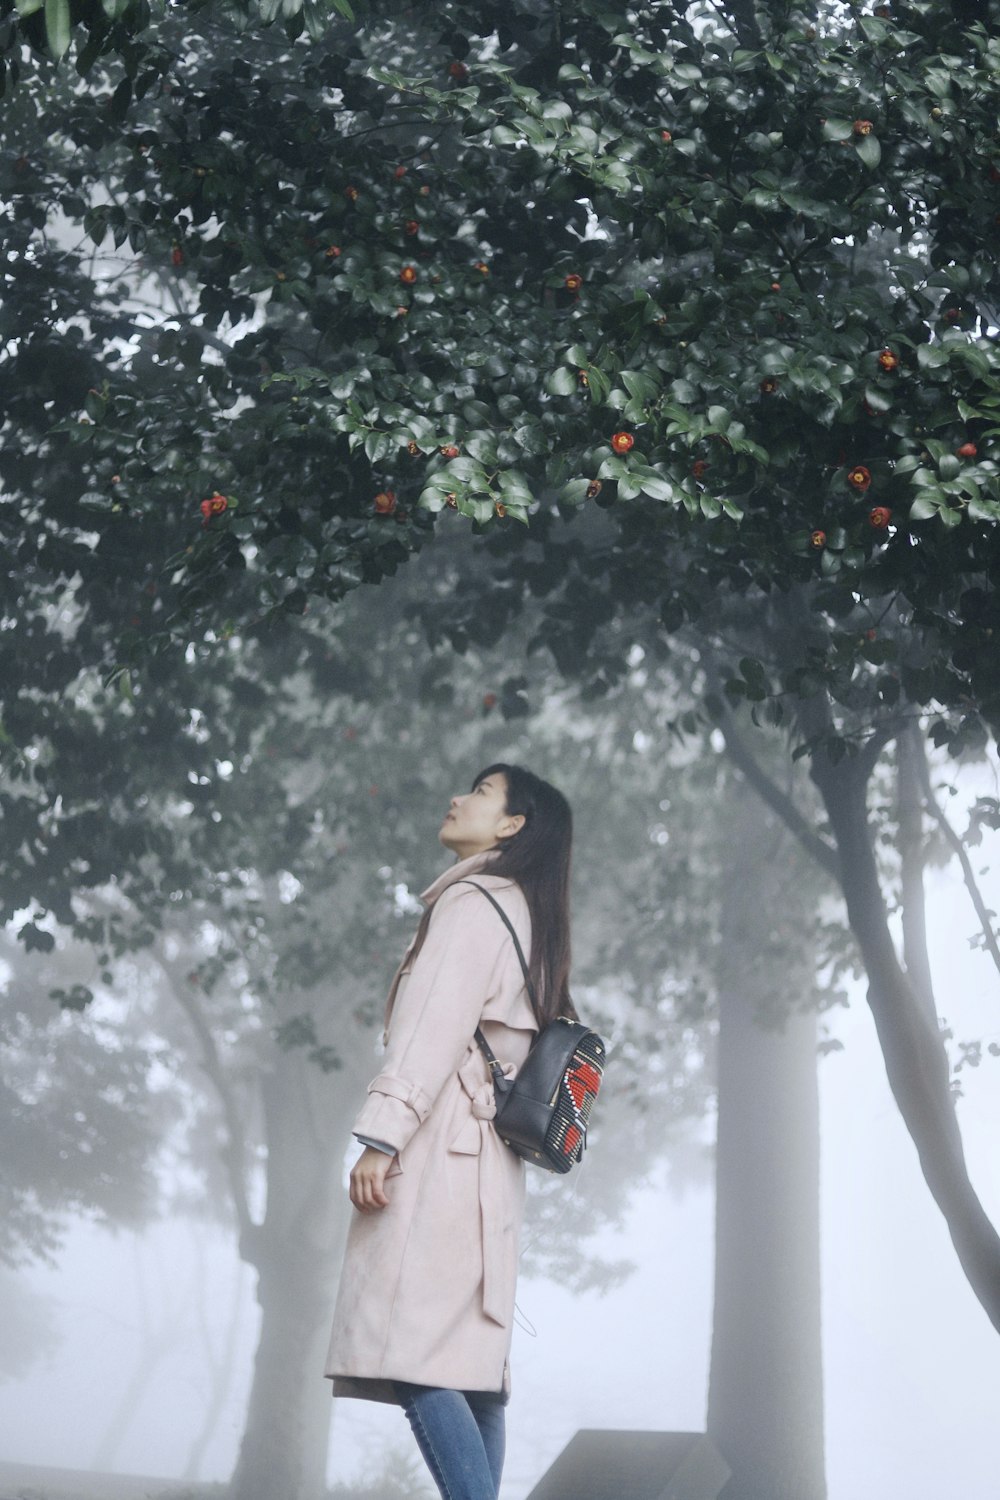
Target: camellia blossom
818,539
879,517
408,275
863,127
574,282
888,360
385,502
622,442
859,477
213,507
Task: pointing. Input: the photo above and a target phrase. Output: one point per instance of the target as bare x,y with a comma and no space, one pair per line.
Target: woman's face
478,820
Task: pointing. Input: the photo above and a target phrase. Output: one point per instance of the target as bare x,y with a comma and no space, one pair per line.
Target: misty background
133,1349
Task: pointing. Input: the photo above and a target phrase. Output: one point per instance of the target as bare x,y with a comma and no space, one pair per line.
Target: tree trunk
297,1253
765,1406
912,1046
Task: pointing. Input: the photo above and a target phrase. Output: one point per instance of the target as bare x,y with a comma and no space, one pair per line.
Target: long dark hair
537,858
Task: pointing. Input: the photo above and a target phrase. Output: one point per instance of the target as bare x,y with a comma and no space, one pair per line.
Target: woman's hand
368,1180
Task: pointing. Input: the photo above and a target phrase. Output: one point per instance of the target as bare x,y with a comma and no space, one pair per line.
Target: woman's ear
512,826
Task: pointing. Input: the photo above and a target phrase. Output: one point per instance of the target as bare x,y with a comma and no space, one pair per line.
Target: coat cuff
393,1112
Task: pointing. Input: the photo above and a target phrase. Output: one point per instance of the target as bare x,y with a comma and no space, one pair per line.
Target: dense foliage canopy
728,272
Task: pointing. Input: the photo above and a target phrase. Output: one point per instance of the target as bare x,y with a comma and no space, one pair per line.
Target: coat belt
497,1229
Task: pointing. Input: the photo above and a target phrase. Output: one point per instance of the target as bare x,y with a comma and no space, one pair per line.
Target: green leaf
654,484
561,382
58,27
574,492
869,150
923,508
641,385
28,7
931,356
837,130
877,400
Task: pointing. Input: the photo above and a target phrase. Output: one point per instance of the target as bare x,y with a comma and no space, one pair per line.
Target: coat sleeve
435,1016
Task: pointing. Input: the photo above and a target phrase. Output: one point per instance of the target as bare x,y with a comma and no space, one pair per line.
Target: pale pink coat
427,1290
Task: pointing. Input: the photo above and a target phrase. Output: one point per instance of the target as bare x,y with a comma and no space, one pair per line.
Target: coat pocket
468,1140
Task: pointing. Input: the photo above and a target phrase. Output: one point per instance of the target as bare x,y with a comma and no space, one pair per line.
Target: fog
911,1364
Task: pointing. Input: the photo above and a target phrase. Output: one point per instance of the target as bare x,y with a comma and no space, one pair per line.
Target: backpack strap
499,1079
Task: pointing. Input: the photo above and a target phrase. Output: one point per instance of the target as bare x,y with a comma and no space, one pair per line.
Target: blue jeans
461,1435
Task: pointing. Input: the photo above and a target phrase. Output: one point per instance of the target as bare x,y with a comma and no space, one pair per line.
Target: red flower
967,450
622,442
177,256
817,539
583,377
481,267
863,127
879,517
408,275
769,386
385,502
351,193
451,499
412,449
666,136
213,507
489,700
458,71
775,286
594,488
411,227
573,282
449,451
952,314
888,360
500,509
859,477
399,172
332,252
698,467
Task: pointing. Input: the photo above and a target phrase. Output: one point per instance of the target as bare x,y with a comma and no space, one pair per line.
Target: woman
426,1304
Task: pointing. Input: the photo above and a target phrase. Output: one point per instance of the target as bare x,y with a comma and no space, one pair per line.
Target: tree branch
234,1152
770,793
959,849
911,856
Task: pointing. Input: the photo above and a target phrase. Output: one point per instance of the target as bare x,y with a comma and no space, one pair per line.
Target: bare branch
234,1153
962,854
777,800
909,802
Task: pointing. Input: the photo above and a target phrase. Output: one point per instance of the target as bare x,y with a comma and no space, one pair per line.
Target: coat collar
474,864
